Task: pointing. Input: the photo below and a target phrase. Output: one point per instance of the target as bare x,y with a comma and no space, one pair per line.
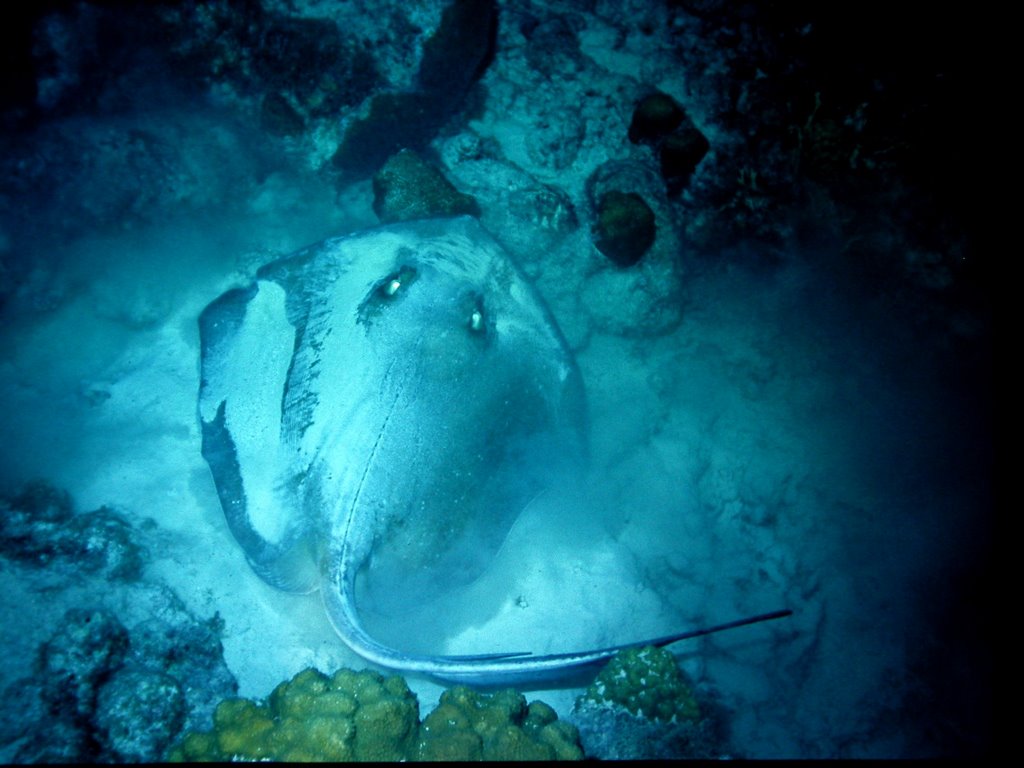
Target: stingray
394,398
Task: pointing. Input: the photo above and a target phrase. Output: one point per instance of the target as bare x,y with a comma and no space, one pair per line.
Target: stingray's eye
385,293
394,283
477,318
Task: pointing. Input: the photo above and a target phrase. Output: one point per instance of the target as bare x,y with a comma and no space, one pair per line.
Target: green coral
348,716
645,681
500,726
365,716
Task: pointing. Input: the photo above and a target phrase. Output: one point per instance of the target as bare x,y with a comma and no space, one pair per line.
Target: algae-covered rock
105,545
655,117
32,523
458,52
393,121
139,713
39,529
279,118
641,707
73,664
659,121
408,187
625,227
100,692
680,154
611,733
453,58
322,69
645,681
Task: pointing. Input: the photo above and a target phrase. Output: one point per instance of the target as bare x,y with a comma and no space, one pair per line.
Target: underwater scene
492,379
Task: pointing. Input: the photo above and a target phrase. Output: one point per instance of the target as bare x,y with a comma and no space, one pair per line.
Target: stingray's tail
669,639
502,668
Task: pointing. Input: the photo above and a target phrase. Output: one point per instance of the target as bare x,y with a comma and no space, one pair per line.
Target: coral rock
625,227
408,187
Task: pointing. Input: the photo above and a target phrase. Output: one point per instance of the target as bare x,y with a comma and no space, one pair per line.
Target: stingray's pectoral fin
286,563
248,346
292,569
